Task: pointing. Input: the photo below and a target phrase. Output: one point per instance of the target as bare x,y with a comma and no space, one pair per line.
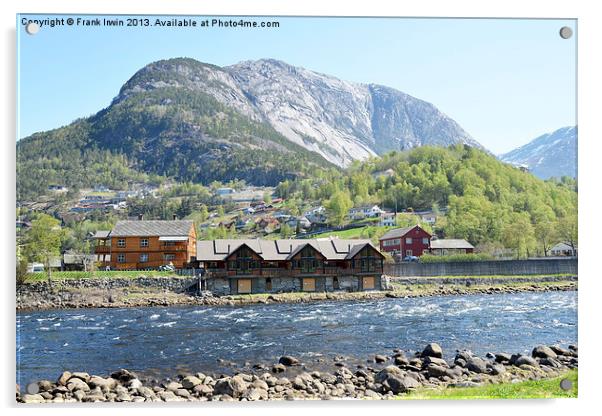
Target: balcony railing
278,272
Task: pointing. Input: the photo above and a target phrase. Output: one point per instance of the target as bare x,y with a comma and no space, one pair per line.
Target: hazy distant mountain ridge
549,155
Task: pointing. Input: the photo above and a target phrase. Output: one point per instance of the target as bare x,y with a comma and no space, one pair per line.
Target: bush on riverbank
429,258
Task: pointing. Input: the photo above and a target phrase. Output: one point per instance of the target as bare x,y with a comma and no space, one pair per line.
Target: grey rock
134,383
182,393
401,385
388,371
79,395
173,386
278,368
123,397
380,358
433,360
477,365
203,389
255,394
64,378
190,382
107,383
32,398
288,361
81,375
497,369
437,371
75,384
45,385
372,395
541,351
561,351
502,357
231,386
123,375
432,350
525,360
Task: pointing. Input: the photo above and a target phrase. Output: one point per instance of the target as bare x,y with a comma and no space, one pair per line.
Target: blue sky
505,81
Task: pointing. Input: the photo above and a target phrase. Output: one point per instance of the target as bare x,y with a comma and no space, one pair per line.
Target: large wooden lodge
244,265
308,265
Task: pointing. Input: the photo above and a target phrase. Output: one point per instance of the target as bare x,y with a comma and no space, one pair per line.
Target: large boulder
123,375
561,351
378,358
387,372
103,383
64,378
401,359
502,357
189,382
288,361
75,384
477,365
401,384
436,371
434,360
541,351
432,350
525,360
232,386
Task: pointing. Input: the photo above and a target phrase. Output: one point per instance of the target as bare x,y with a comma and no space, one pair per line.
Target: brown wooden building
255,266
140,245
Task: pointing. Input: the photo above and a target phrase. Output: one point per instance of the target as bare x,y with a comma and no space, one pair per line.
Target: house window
408,241
169,257
121,242
409,252
143,258
121,258
425,241
144,242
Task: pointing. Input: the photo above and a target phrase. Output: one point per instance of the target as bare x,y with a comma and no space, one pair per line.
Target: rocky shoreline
91,294
383,377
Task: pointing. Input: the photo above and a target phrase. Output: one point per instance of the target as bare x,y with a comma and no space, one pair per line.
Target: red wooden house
408,241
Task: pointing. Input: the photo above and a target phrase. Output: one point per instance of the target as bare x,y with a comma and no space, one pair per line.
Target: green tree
546,233
43,241
267,197
519,235
568,230
286,231
203,213
339,205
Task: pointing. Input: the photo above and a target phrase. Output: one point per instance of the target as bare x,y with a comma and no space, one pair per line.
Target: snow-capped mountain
549,155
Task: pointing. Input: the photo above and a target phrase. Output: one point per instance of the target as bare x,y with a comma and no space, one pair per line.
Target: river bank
386,376
178,291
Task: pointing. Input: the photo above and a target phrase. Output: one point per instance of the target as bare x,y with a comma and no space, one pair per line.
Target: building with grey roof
236,266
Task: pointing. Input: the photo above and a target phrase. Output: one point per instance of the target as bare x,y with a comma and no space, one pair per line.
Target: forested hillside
485,200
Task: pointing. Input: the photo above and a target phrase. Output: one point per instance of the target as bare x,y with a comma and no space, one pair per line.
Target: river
159,342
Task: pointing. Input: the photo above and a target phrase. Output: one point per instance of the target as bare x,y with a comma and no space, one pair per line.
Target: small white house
359,213
316,215
563,249
387,219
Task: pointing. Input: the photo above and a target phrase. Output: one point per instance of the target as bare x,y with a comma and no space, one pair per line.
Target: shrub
429,258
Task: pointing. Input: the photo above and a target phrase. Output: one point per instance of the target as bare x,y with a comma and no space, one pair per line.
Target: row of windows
143,258
409,240
144,243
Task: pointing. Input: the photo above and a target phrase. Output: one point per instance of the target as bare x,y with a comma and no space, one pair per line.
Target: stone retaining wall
173,284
